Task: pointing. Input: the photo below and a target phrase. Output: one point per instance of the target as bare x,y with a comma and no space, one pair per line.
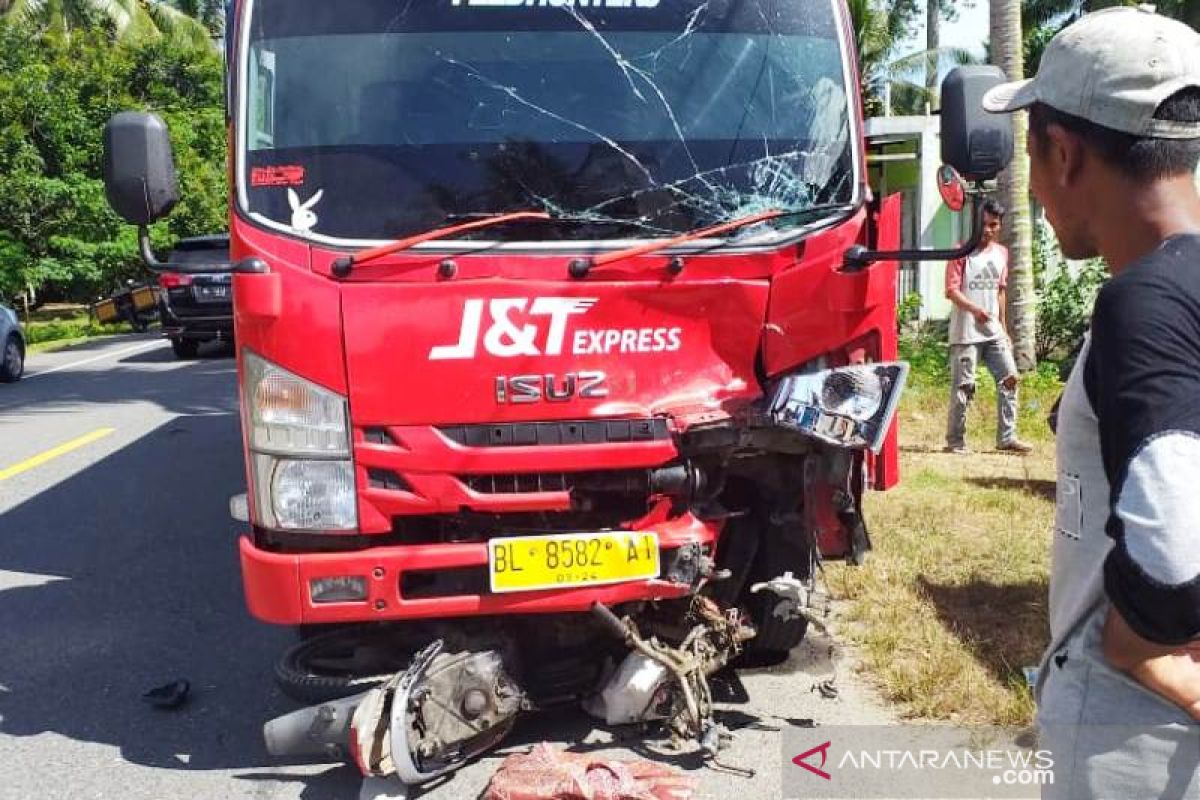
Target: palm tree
933,44
1042,19
1008,52
211,13
894,83
131,20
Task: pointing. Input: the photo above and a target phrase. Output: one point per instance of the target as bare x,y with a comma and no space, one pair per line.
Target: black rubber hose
610,621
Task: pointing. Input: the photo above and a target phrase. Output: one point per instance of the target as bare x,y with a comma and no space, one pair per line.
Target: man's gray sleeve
1143,378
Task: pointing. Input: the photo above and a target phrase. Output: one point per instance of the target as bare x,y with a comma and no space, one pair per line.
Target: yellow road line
53,453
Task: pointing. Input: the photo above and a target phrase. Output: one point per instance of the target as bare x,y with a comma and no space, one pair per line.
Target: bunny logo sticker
304,219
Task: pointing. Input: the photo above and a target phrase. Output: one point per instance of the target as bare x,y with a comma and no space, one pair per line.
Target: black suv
196,302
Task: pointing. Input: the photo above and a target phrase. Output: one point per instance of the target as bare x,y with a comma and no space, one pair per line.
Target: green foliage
56,93
880,28
1042,19
1065,299
75,328
927,352
185,24
908,311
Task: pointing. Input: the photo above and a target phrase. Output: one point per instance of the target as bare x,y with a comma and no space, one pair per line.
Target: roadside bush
76,328
926,349
1065,300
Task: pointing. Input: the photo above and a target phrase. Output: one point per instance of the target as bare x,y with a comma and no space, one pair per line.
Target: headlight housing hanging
845,406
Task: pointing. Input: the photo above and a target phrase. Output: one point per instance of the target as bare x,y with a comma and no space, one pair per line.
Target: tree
892,83
211,13
1007,44
1042,19
933,44
56,93
130,20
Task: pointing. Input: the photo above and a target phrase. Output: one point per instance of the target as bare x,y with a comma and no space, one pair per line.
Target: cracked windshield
372,120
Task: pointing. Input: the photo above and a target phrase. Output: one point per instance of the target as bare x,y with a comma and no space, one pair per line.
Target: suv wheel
12,360
185,348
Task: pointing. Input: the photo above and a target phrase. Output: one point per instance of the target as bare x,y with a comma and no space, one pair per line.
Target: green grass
951,604
44,335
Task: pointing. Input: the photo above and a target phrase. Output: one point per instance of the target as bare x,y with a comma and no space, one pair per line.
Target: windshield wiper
826,210
342,266
580,267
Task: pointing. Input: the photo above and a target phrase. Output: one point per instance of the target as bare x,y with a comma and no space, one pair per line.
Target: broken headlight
845,406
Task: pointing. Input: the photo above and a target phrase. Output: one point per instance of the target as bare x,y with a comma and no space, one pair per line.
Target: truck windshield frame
600,112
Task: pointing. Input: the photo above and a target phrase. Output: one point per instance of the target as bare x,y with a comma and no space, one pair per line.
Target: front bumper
277,584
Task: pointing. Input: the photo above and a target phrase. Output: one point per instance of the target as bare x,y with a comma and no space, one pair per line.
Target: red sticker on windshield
290,175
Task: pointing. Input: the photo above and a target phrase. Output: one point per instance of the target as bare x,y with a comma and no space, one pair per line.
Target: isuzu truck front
555,319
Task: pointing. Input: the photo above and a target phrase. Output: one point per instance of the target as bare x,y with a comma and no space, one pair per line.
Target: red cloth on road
548,774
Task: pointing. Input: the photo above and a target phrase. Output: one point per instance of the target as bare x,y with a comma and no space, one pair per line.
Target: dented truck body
480,388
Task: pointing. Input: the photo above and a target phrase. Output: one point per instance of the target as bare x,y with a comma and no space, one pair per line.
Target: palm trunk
933,45
1008,53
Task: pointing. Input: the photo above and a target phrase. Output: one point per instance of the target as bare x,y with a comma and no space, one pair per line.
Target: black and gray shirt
1128,508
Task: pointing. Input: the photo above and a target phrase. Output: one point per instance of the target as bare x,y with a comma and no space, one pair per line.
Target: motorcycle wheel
345,661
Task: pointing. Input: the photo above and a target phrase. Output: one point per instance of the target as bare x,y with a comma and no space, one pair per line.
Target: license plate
212,292
529,563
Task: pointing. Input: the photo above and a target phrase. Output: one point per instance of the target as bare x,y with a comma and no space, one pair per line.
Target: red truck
554,319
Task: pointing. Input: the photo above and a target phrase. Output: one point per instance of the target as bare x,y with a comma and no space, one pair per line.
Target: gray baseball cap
1115,68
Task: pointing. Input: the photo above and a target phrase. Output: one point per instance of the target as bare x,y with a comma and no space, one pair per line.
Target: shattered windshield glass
374,119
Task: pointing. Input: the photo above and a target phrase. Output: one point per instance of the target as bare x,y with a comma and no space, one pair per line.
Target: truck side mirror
139,168
977,144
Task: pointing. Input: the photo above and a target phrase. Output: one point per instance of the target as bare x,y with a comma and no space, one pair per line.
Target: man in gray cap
1114,145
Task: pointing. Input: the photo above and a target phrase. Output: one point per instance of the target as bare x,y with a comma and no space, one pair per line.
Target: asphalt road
119,573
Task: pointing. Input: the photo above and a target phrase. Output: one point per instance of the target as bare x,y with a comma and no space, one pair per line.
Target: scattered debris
168,696
713,639
827,689
792,594
636,692
548,774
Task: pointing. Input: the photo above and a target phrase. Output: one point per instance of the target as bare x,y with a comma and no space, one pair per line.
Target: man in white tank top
976,286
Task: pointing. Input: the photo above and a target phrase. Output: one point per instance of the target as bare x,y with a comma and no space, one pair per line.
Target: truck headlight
845,406
287,414
314,495
299,439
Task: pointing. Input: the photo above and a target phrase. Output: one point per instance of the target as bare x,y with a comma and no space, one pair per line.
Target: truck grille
622,481
540,434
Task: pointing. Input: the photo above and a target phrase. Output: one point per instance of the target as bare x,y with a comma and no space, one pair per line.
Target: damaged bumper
447,580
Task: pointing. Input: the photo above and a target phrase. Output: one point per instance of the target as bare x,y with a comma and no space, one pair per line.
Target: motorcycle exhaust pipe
322,730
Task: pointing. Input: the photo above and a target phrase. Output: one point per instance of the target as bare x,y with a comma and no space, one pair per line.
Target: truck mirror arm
147,252
859,258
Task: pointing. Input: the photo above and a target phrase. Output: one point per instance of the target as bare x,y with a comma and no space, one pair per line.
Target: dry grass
951,604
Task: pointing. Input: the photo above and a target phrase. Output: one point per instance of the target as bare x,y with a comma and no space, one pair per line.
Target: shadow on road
126,578
206,386
209,351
